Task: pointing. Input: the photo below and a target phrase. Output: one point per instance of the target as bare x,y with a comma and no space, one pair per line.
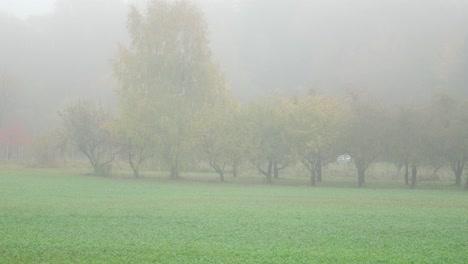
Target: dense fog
399,51
233,131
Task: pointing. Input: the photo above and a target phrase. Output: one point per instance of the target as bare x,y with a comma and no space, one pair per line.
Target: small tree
269,147
136,135
364,135
449,124
86,127
217,134
466,183
316,124
406,141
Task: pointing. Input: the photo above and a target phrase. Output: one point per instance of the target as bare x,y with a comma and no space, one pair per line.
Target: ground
63,216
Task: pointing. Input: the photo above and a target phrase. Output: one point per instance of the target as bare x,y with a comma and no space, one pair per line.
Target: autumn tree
316,125
405,141
460,135
449,125
430,136
218,135
414,142
239,139
365,132
168,71
270,148
86,126
137,141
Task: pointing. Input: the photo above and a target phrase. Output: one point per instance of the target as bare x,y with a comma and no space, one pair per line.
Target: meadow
64,216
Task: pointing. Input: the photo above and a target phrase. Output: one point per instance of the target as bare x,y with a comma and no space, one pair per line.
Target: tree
217,135
449,122
417,142
136,140
168,72
363,139
316,125
405,139
270,148
239,139
421,137
136,132
461,136
87,127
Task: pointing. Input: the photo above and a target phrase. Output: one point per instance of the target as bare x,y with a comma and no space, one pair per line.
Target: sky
25,8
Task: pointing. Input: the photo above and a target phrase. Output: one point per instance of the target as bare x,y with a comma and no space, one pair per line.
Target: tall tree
168,71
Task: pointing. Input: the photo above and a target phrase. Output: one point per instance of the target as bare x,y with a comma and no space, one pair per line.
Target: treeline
272,134
174,105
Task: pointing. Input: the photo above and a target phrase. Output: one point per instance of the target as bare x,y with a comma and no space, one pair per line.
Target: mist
398,50
233,131
401,50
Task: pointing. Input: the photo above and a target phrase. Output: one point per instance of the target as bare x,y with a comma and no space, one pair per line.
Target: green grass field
61,216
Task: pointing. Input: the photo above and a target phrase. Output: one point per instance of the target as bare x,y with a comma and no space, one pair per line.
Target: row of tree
175,106
274,133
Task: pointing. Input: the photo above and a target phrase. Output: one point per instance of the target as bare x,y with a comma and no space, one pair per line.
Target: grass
60,216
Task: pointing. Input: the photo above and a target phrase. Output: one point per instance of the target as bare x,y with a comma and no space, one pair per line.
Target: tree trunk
414,172
234,169
361,177
458,175
275,170
406,172
466,184
221,176
175,162
218,169
136,172
133,165
269,172
313,177
458,170
96,169
319,170
175,171
399,165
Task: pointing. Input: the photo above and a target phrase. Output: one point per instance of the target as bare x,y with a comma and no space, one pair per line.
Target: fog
400,51
233,131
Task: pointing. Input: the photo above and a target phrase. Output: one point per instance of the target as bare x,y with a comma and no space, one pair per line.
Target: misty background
399,51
